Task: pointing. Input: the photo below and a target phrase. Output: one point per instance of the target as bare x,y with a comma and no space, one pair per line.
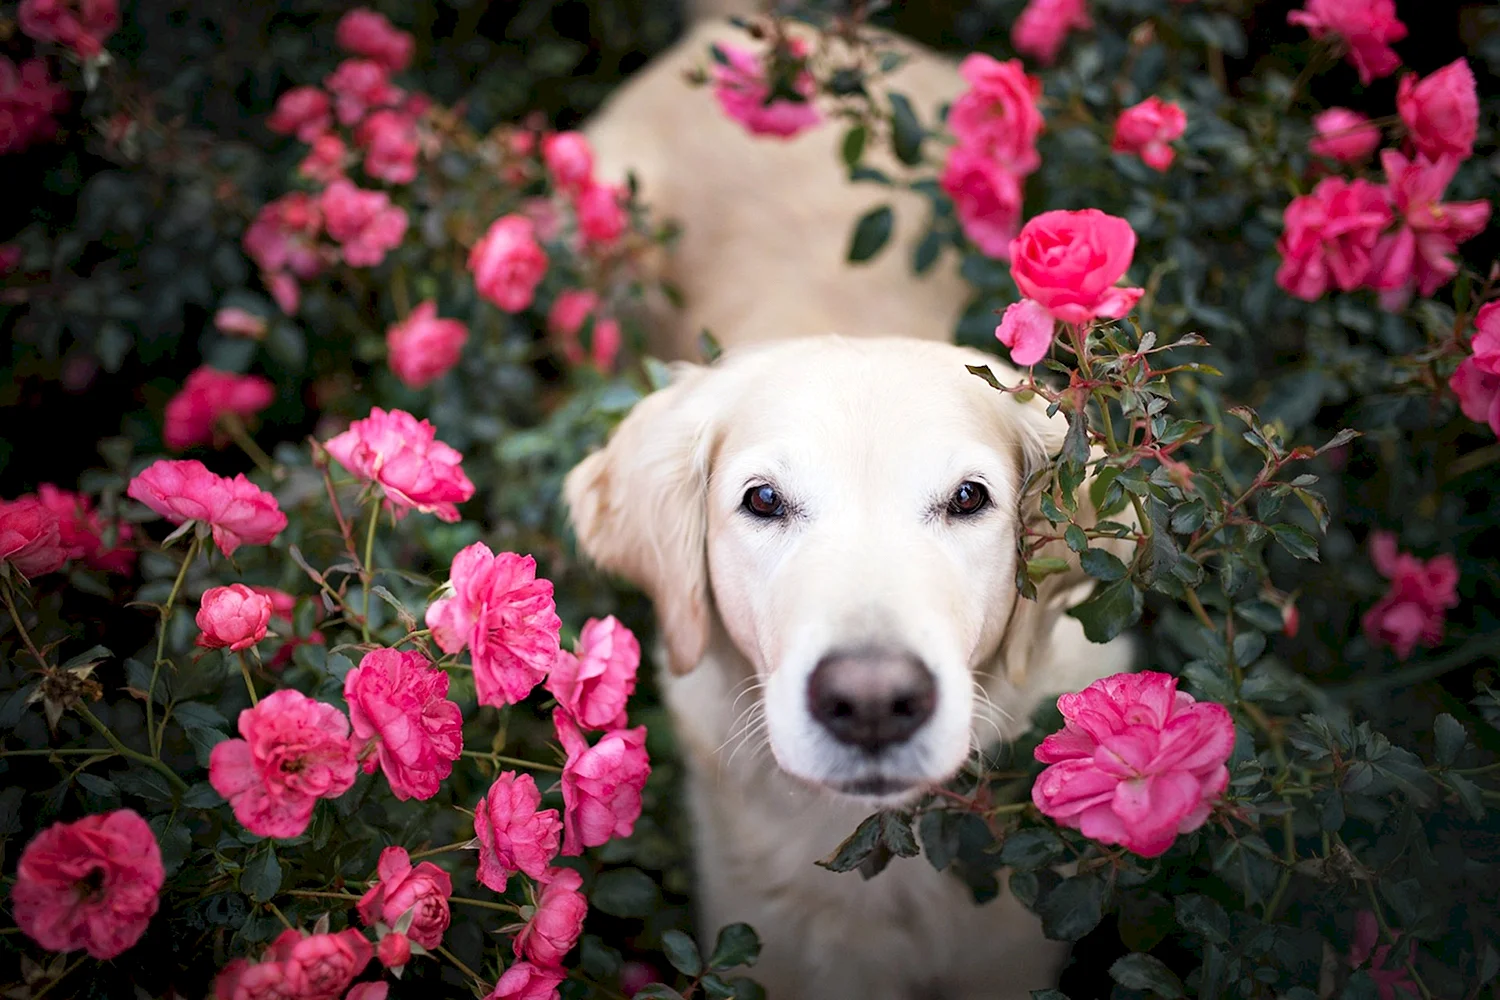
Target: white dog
827,526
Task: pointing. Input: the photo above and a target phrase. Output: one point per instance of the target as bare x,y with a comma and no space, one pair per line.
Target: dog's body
799,515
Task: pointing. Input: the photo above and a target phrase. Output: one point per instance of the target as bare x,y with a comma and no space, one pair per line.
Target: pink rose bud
569,159
423,347
1026,328
601,213
1441,111
1068,262
234,617
1344,135
1366,28
394,950
508,263
422,890
744,94
1147,129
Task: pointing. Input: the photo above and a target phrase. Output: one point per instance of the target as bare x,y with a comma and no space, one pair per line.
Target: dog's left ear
638,507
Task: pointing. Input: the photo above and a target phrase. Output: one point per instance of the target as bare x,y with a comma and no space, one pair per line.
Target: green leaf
737,944
1102,565
626,892
174,841
927,252
715,988
1048,995
1032,848
1073,908
1110,610
906,132
1075,449
95,785
1449,737
1138,971
1076,539
1044,566
657,991
853,147
682,952
1296,541
146,783
204,741
1204,917
95,654
871,233
202,796
858,846
195,713
262,876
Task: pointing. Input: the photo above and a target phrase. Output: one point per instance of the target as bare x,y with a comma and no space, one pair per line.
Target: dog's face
849,510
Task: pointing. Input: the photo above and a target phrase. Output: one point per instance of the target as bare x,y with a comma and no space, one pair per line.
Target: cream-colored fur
866,436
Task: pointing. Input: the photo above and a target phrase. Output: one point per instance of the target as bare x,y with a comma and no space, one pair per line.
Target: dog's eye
764,501
969,498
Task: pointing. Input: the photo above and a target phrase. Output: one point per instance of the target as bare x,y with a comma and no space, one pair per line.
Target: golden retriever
826,521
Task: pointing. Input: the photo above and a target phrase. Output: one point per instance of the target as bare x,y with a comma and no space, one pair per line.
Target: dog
826,520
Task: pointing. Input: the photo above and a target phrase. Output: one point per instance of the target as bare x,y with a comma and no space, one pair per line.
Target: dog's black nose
871,699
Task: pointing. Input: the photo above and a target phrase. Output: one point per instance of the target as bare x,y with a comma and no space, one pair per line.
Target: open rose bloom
403,456
422,890
1422,593
398,702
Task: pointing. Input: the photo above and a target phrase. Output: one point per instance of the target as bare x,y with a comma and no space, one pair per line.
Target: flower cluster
41,533
1421,595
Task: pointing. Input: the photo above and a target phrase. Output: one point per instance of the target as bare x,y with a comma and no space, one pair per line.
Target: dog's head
849,510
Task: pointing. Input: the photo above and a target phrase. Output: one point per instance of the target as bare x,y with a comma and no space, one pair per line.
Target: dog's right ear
638,508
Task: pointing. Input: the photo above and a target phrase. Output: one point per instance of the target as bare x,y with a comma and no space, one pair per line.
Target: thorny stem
155,741
367,576
518,762
459,845
249,684
281,916
177,783
486,904
15,616
338,512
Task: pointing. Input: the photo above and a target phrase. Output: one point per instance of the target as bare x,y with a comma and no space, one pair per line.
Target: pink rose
1418,255
554,928
513,836
1367,27
1147,129
1069,262
365,222
743,93
394,950
403,456
366,33
294,752
233,617
397,700
359,85
31,537
92,884
1044,25
325,162
504,615
1486,342
565,320
238,511
1344,135
1137,763
207,395
1387,974
1026,328
569,160
1441,111
28,100
1478,393
594,684
1420,597
601,213
508,263
524,981
422,890
81,25
82,531
422,347
305,112
986,197
1329,237
321,966
998,117
233,321
601,784
368,991
389,139
284,235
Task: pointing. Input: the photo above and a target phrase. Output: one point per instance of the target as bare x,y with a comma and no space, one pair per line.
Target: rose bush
302,337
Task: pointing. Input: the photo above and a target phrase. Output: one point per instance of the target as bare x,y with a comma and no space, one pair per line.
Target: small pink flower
325,162
403,456
233,617
207,395
81,531
1344,135
1366,27
1486,342
31,537
81,25
744,93
28,100
1147,129
601,213
601,784
1441,111
1026,328
508,263
1044,25
366,33
238,511
233,321
358,86
423,890
365,222
565,321
368,991
423,347
305,112
283,242
1478,393
389,139
594,684
569,160
92,884
1418,255
294,752
986,197
506,618
1330,236
1137,763
321,966
998,116
1421,595
554,928
394,950
524,981
397,700
1387,975
513,836
1069,262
